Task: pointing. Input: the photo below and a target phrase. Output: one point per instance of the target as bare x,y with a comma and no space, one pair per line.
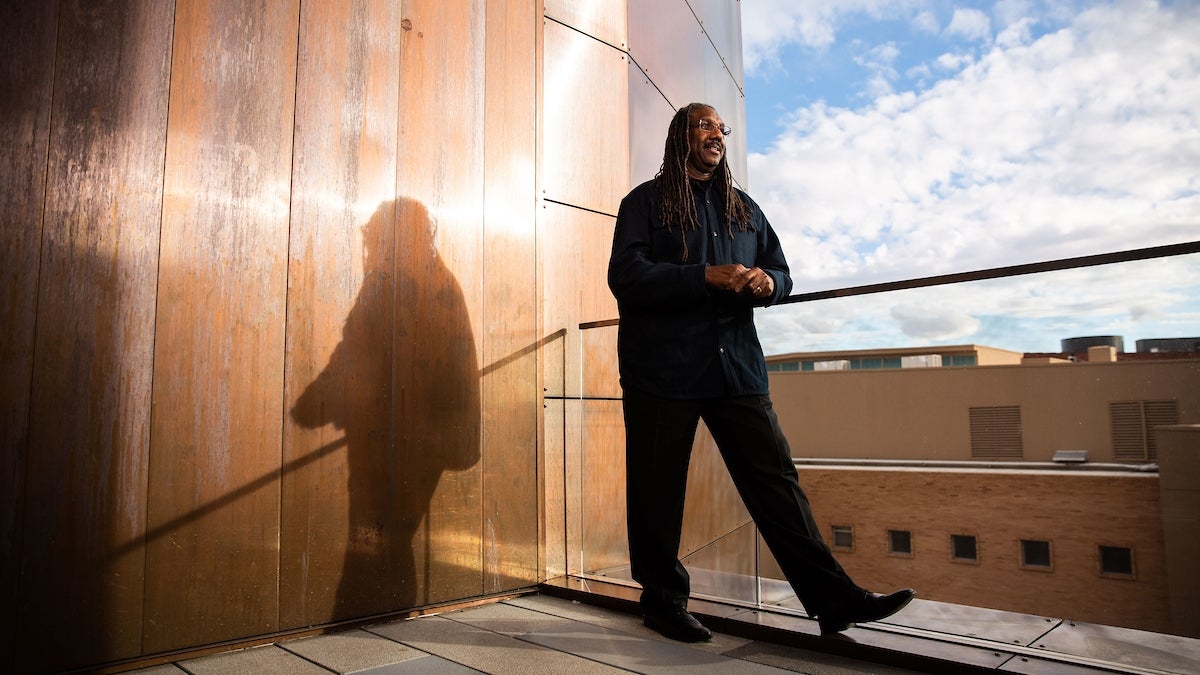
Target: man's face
706,146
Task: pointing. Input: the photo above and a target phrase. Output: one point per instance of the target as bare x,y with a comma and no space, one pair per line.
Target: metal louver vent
996,432
1133,424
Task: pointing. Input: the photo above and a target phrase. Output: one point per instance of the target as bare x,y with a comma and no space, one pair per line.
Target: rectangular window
962,548
900,542
843,537
1035,554
1116,561
996,432
1133,423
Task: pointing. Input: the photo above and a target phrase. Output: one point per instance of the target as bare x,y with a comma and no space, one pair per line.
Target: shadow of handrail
294,465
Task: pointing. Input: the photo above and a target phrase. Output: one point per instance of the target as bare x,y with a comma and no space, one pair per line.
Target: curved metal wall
286,287
271,308
684,51
672,52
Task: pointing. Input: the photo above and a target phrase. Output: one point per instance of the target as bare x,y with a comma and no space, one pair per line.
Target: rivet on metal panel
406,24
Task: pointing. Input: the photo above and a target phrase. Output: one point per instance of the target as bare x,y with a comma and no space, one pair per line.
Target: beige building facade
1034,488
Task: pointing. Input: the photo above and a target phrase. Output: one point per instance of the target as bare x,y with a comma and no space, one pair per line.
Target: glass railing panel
944,433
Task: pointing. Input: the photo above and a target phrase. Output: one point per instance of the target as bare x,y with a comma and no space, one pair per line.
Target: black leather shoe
871,607
678,624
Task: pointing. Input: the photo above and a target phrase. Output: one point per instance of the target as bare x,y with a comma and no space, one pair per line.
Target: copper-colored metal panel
600,368
509,376
574,246
602,19
573,477
26,79
557,246
441,164
721,21
345,550
602,485
714,508
649,116
582,165
213,526
81,595
553,517
686,68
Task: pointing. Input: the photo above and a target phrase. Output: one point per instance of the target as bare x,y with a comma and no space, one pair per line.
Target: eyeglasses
708,125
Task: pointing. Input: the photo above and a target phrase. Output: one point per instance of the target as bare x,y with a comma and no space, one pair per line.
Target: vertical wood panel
26,79
439,254
212,554
337,561
84,512
509,384
82,556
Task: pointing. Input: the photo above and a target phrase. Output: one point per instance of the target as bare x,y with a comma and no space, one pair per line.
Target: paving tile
426,664
639,654
264,660
1126,646
484,650
504,618
351,651
808,661
165,669
616,620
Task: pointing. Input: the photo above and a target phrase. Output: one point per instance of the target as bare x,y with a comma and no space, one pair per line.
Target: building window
900,542
1116,561
1035,554
962,548
1133,425
996,432
843,537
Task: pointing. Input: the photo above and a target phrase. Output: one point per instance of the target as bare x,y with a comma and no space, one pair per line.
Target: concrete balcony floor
529,634
591,626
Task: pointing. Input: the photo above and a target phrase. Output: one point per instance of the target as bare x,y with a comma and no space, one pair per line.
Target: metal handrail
1165,251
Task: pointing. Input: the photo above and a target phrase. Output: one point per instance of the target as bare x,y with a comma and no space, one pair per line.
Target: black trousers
659,436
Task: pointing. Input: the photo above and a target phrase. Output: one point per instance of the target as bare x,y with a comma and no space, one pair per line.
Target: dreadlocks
677,207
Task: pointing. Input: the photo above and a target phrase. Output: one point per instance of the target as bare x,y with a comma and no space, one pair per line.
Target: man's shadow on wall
404,385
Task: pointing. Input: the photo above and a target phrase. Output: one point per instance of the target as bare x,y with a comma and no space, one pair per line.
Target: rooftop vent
1071,456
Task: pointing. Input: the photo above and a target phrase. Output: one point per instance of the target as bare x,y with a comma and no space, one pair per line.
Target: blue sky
892,139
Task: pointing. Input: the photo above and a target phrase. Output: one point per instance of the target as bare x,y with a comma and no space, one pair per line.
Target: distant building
1027,483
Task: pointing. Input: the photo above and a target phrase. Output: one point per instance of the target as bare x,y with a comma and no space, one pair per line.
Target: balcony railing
729,562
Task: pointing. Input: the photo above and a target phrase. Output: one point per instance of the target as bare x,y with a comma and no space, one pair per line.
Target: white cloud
970,24
1027,313
1085,140
770,25
926,22
933,322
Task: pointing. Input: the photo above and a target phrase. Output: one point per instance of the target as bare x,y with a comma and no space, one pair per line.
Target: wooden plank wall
270,289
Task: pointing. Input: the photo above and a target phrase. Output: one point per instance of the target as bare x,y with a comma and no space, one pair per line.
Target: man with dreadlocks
692,256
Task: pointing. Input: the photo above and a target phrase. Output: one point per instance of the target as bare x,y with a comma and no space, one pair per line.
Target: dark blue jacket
679,339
